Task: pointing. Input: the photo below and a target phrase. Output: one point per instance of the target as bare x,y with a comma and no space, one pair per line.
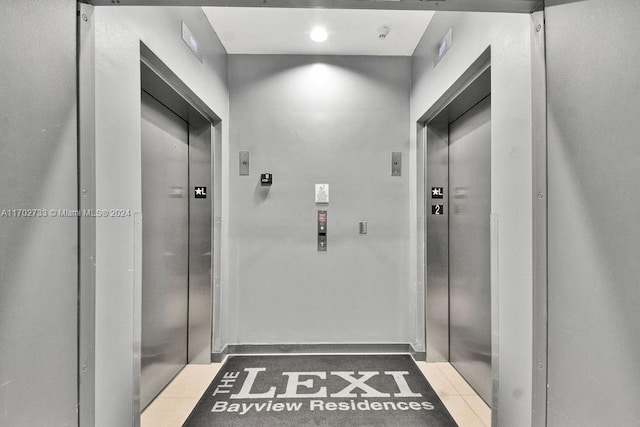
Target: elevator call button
322,222
322,231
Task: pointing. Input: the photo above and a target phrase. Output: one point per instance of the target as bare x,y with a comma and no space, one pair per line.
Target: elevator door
165,259
469,246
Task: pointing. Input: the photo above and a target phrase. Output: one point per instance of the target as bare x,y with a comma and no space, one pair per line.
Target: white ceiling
286,31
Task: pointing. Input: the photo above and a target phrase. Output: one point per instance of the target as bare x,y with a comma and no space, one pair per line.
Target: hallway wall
118,32
509,37
594,205
308,120
39,253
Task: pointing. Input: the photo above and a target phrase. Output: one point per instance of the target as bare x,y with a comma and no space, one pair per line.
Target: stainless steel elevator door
469,246
165,256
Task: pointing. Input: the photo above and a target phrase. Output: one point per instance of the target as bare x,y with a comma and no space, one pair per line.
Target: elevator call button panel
322,231
322,222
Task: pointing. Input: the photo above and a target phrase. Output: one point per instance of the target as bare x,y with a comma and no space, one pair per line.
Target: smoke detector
383,32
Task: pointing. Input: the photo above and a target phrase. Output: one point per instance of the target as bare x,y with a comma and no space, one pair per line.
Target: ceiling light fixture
319,34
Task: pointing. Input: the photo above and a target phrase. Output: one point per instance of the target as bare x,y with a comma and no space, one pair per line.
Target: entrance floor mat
320,390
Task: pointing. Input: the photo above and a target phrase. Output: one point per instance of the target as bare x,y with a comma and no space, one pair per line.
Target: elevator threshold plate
320,390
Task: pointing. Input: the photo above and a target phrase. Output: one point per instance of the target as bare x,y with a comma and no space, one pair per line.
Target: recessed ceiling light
319,34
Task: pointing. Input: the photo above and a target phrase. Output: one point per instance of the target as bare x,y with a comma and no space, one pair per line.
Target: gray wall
119,31
509,37
594,204
38,256
308,120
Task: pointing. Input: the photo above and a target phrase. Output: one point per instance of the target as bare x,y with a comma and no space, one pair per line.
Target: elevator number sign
437,209
437,192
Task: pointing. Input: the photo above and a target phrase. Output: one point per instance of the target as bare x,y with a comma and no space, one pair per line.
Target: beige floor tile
437,379
176,402
168,411
192,381
481,409
456,379
461,411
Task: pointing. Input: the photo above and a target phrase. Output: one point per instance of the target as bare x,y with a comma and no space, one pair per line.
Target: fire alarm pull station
266,179
322,231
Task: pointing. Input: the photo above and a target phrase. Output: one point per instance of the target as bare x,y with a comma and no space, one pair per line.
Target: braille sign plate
437,192
437,209
200,192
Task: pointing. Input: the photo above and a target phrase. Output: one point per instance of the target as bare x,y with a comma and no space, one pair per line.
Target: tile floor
172,407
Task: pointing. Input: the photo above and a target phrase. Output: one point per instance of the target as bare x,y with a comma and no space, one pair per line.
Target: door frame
472,86
539,214
159,81
87,224
87,183
509,6
86,52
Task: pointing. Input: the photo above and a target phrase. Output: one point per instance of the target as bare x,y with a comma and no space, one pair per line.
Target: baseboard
240,349
219,356
419,356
